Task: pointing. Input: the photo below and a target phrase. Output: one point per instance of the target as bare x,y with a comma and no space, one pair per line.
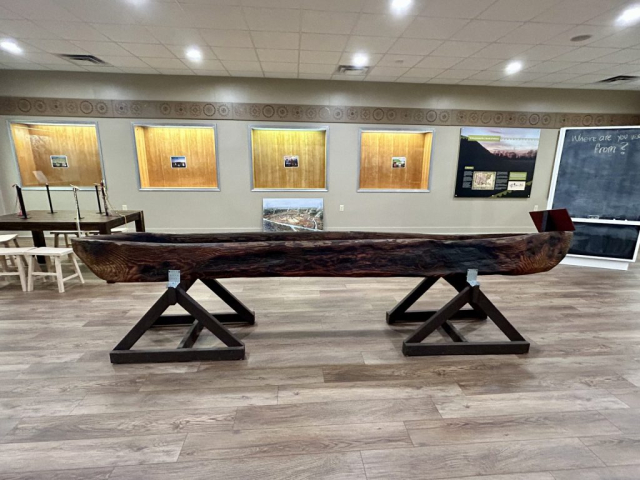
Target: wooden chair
5,242
56,254
17,255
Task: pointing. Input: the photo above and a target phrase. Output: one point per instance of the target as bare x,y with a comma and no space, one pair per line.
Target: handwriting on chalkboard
607,143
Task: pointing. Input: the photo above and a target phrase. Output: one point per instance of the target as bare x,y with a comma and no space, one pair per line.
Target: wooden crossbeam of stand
481,309
197,319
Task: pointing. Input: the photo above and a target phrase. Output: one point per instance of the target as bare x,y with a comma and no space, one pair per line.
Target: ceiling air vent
619,79
83,60
351,70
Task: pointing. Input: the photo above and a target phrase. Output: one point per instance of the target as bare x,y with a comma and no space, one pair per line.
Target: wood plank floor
325,392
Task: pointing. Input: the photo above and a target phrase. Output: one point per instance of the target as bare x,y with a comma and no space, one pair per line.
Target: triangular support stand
481,309
197,320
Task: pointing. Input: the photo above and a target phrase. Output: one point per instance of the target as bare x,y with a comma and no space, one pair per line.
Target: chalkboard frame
554,182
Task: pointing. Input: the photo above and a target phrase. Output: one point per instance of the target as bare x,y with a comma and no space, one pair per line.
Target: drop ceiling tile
272,3
204,65
610,17
328,22
393,60
280,75
384,7
26,66
534,33
444,81
596,32
546,52
416,81
73,31
557,77
552,67
484,30
174,71
246,73
276,40
475,63
590,78
369,44
616,68
177,36
348,78
19,29
424,73
434,28
162,62
44,58
102,69
438,62
502,50
148,50
6,14
40,10
488,75
65,68
455,8
180,51
282,56
314,76
582,68
347,59
227,38
452,48
241,66
470,81
321,42
414,46
215,17
162,14
353,6
315,68
99,11
505,83
320,57
516,10
279,67
622,56
236,54
212,73
459,74
537,84
125,33
585,54
523,77
54,46
102,48
124,62
140,70
388,25
574,11
388,72
371,78
629,37
273,19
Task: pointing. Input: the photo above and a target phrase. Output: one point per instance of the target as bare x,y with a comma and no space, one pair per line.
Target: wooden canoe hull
147,257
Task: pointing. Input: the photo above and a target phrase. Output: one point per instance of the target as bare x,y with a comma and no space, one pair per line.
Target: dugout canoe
147,257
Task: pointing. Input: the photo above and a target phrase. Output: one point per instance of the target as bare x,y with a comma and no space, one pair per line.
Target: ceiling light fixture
194,54
629,16
360,60
400,6
11,47
513,67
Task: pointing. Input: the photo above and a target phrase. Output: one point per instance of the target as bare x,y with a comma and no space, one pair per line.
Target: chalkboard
599,173
605,240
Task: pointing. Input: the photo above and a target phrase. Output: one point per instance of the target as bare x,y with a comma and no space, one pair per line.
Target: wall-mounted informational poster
289,158
394,160
496,162
58,154
292,214
162,152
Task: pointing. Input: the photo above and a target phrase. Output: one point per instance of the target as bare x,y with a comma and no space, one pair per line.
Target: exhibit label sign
399,162
291,161
59,161
179,162
496,162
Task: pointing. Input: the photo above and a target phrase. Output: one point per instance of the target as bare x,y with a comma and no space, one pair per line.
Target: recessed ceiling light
11,47
580,38
629,16
194,54
513,67
400,6
360,60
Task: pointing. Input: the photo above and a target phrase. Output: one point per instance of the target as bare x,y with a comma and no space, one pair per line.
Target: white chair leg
31,261
15,242
58,265
76,267
23,280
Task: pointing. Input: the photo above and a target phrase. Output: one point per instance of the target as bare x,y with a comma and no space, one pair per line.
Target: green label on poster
518,176
483,138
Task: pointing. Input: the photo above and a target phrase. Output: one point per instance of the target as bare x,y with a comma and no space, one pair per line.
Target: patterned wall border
73,107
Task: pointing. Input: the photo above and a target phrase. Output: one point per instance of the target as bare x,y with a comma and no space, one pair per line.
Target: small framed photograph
398,162
291,161
59,161
484,181
178,162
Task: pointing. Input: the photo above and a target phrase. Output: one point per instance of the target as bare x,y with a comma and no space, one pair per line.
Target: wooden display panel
377,151
156,145
269,149
76,145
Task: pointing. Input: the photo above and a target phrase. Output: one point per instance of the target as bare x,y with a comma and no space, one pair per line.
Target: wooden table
40,221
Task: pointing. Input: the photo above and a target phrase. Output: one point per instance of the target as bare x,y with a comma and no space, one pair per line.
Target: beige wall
236,208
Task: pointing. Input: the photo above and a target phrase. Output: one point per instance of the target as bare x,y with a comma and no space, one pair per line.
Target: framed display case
176,157
57,153
288,158
395,160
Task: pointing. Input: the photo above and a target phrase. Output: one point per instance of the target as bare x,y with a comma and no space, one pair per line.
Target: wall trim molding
132,109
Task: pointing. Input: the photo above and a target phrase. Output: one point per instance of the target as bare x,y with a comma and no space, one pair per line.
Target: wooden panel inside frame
378,149
156,145
75,146
269,147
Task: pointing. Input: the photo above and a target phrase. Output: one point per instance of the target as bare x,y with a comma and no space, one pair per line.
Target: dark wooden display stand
197,320
481,309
